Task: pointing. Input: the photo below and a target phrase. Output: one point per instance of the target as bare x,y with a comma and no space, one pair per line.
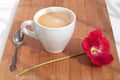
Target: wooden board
91,15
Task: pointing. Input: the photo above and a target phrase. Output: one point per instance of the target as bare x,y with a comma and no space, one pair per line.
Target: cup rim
53,7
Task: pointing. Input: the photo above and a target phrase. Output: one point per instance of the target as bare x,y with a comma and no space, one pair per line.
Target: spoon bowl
18,38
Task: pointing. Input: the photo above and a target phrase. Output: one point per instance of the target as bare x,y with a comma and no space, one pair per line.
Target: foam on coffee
55,19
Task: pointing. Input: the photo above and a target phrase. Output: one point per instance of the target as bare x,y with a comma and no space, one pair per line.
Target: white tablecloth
7,11
8,8
113,7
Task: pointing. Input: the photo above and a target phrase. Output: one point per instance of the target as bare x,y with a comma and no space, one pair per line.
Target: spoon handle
14,59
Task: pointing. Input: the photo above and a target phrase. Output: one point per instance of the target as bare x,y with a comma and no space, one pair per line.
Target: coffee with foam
55,19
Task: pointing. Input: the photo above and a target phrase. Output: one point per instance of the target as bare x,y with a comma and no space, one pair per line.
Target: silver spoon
18,40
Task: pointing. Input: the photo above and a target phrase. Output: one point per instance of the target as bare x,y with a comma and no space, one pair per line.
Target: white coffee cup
54,40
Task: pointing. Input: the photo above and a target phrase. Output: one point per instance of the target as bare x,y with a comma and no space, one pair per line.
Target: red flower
97,48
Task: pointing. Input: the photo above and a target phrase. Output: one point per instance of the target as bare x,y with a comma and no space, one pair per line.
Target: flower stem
51,61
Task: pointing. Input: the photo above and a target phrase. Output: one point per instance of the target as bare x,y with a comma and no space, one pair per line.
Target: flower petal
103,59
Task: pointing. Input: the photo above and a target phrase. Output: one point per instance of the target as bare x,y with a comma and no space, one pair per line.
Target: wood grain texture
91,15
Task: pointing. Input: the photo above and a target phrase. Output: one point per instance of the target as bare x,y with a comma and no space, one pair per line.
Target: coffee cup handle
26,31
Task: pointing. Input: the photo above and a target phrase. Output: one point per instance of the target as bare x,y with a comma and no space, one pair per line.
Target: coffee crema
55,19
